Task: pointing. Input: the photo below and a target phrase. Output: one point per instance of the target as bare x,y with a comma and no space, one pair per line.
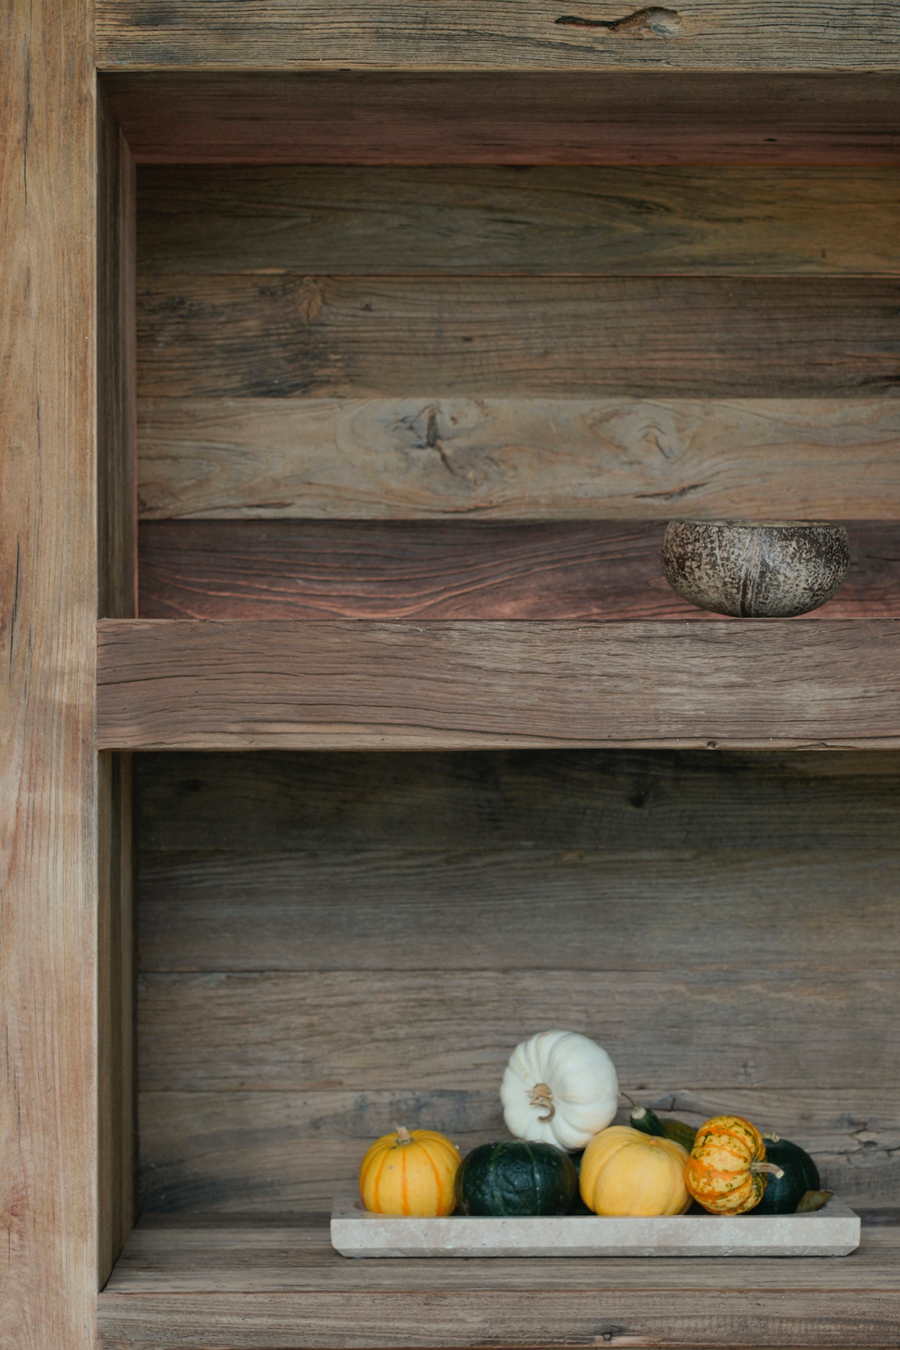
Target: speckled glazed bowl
772,569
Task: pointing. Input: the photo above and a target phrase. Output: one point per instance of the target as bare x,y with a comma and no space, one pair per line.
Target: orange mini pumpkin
410,1173
727,1169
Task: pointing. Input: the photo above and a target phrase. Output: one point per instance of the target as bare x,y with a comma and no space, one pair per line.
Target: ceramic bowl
770,569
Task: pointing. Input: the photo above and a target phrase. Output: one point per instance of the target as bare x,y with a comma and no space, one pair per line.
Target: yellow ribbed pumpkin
727,1168
626,1172
410,1173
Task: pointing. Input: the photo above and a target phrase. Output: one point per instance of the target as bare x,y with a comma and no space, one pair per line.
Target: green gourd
516,1178
783,1194
648,1122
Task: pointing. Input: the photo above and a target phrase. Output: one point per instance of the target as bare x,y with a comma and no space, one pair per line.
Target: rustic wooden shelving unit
346,423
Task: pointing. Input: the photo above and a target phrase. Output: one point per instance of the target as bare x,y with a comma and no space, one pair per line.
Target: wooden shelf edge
360,684
512,1318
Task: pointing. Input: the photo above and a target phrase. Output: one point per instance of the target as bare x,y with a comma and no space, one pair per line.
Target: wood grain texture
229,1153
356,684
515,909
48,590
663,116
604,221
409,34
285,1031
568,801
551,1303
116,370
678,1318
116,597
606,865
450,570
292,336
188,1253
616,800
519,458
115,995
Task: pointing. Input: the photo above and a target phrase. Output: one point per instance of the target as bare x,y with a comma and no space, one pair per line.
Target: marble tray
832,1231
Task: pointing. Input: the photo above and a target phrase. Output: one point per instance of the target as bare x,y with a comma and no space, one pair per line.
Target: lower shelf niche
330,942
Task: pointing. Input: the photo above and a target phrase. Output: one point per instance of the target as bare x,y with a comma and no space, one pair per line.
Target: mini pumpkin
727,1170
627,1172
410,1173
559,1088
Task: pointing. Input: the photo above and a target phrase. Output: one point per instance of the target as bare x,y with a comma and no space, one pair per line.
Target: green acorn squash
783,1194
515,1178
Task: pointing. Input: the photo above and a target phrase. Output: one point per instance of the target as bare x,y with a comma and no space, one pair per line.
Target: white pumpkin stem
542,1096
403,1134
758,1167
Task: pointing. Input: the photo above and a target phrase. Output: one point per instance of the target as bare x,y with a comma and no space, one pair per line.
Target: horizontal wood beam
496,34
291,336
626,221
519,458
380,1319
463,569
357,684
659,116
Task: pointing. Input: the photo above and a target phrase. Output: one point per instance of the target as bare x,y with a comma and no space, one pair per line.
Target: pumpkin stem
542,1096
632,1103
758,1167
403,1134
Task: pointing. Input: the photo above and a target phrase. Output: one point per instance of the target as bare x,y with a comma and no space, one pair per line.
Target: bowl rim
731,524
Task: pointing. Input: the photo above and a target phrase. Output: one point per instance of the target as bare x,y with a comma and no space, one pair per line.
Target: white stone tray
831,1231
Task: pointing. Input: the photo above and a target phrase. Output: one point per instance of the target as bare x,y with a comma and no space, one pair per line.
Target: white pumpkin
559,1088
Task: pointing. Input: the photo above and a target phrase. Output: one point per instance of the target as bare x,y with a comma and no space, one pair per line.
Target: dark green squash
783,1194
578,1206
515,1178
648,1122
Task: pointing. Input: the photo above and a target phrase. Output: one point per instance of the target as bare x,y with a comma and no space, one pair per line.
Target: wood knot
652,21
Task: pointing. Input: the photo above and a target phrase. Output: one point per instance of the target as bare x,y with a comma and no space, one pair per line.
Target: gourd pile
560,1093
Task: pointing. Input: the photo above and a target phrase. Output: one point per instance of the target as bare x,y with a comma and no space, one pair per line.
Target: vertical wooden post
116,597
48,591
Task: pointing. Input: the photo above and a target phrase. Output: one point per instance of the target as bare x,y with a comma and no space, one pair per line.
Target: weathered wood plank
816,1315
450,570
626,221
409,34
48,590
390,570
356,684
249,1152
190,1253
522,458
289,336
639,801
286,1032
116,371
116,597
515,909
115,1005
508,117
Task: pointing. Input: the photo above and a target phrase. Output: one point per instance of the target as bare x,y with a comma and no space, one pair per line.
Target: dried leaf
813,1200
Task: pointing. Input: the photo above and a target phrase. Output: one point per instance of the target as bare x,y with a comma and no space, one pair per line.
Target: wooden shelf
251,1286
192,115
712,35
359,684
